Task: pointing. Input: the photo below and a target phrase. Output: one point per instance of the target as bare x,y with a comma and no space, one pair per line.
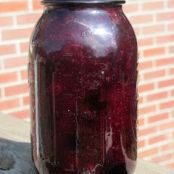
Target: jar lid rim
82,1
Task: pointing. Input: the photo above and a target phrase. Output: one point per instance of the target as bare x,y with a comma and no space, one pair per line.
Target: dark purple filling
83,92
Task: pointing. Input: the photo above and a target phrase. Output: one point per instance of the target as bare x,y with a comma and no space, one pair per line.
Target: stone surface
6,158
15,158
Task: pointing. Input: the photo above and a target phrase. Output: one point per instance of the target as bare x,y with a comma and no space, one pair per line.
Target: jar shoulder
96,30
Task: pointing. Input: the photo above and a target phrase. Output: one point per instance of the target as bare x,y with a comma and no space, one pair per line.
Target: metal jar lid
83,1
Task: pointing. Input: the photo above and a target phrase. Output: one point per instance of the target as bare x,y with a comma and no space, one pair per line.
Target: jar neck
83,1
71,4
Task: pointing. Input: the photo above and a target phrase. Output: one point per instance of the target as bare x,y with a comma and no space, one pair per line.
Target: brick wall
154,25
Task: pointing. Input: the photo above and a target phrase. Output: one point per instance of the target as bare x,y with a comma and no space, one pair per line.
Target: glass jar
82,76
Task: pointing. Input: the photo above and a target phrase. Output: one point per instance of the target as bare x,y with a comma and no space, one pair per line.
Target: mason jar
82,77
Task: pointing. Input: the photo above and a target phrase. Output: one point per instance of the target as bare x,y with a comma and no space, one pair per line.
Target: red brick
162,158
145,65
165,16
145,42
7,49
168,104
16,90
146,87
170,3
15,62
37,4
22,114
141,122
165,126
153,6
130,8
141,144
166,83
154,74
154,52
28,18
165,39
8,77
13,6
148,153
158,118
140,100
171,165
171,49
9,104
153,29
157,139
166,61
24,75
6,21
26,100
171,71
157,97
141,19
172,92
167,147
171,27
147,131
16,34
146,110
24,47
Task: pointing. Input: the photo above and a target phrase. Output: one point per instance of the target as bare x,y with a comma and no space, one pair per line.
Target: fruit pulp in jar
83,92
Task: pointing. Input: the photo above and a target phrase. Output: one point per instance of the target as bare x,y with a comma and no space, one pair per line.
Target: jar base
118,169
